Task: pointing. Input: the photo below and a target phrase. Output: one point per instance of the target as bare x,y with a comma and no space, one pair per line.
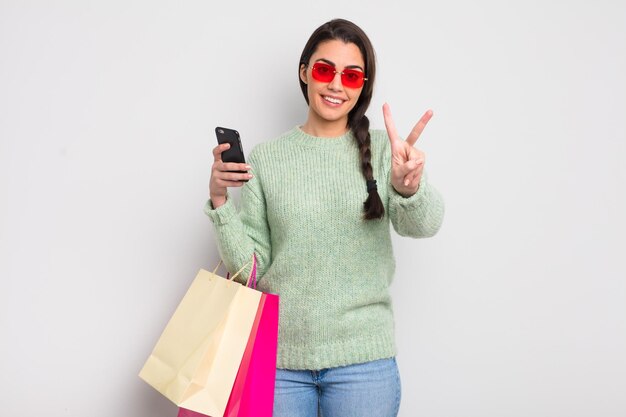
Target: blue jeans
369,389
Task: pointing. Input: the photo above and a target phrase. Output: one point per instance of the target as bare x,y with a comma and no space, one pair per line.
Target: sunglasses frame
316,76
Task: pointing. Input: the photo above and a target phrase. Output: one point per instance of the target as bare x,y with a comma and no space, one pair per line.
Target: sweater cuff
221,215
413,201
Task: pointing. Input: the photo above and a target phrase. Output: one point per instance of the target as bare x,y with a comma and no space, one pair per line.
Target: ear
303,73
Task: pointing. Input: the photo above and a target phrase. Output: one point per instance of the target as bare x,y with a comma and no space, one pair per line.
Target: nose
336,84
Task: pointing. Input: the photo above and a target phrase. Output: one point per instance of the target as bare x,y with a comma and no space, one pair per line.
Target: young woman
317,211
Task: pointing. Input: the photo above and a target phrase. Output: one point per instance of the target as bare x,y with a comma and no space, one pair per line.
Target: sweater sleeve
240,234
417,216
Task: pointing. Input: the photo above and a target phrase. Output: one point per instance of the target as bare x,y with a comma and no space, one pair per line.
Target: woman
327,253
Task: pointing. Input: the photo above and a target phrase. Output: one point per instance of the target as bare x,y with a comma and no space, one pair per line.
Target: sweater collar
297,135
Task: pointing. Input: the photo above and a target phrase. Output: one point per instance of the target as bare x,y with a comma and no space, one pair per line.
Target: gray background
107,110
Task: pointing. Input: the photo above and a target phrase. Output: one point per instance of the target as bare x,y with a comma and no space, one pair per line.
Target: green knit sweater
302,216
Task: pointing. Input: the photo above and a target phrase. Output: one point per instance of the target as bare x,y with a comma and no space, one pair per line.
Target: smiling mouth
333,100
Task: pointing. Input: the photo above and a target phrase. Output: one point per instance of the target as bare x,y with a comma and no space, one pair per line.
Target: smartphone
235,152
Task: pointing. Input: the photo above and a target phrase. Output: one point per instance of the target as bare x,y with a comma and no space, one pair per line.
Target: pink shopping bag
252,394
257,396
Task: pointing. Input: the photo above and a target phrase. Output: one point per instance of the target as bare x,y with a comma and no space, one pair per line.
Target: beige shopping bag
195,361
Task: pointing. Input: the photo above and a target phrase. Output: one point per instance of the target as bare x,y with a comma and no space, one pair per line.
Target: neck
315,126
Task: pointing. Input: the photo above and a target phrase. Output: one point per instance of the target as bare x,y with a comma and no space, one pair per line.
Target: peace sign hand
407,162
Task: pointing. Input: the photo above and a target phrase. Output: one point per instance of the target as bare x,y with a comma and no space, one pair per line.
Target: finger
407,168
233,176
419,127
389,124
417,173
412,179
226,183
217,151
233,166
404,178
414,183
410,170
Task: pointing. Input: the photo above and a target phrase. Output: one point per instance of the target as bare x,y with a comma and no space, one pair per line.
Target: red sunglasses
325,73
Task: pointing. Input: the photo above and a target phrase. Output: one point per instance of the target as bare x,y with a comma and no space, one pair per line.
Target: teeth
333,100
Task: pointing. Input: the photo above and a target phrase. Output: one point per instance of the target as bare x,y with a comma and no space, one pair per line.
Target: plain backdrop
107,109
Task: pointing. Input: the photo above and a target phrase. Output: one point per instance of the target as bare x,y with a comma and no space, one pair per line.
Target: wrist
217,201
406,193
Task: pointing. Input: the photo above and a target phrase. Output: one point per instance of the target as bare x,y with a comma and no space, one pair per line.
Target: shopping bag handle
252,273
251,278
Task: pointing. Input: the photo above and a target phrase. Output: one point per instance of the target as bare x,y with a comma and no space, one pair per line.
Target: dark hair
348,32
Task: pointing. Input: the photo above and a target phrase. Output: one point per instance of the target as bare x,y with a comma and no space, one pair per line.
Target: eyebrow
333,64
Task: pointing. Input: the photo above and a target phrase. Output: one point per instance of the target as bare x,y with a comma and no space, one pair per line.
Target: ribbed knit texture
302,214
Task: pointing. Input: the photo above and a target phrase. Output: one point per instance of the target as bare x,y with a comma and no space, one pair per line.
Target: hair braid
373,205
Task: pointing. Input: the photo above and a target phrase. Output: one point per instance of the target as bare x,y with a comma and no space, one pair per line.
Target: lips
333,100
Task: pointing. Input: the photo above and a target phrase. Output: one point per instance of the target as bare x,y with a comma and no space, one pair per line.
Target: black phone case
235,152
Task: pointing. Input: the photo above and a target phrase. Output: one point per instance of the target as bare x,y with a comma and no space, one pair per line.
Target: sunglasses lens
323,72
352,78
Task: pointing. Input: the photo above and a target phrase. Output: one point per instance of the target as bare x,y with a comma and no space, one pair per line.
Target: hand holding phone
235,152
229,166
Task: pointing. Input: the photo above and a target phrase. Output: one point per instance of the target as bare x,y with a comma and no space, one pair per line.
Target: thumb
410,166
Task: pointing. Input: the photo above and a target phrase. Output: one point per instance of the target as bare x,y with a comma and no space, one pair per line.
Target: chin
332,114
